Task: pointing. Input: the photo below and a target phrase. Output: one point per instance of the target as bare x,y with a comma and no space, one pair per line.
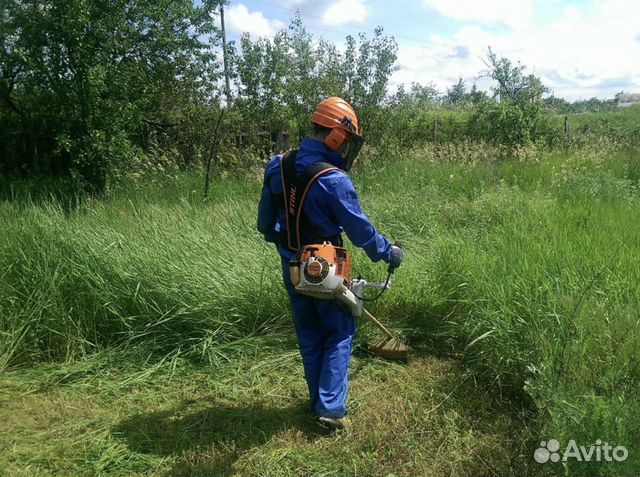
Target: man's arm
348,213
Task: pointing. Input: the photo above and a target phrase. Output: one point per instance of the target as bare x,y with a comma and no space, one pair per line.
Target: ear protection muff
336,138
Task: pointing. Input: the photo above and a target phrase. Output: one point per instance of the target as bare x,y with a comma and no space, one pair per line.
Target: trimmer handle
397,255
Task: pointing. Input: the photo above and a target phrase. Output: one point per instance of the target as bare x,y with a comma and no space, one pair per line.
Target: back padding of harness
295,189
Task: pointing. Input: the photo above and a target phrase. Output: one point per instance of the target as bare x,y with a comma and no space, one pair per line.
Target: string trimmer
323,271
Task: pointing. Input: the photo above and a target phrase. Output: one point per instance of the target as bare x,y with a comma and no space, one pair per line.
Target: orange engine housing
333,255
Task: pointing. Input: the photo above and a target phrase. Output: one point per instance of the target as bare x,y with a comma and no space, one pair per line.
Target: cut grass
252,418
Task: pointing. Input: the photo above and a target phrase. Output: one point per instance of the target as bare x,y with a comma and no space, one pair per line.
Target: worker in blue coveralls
325,331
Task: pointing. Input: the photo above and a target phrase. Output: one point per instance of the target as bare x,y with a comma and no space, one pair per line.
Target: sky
579,48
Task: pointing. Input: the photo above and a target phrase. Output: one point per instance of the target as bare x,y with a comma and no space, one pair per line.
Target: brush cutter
323,271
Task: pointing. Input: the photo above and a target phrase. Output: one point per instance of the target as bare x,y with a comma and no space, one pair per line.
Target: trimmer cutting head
390,348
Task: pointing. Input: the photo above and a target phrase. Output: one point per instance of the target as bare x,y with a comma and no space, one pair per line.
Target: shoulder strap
295,189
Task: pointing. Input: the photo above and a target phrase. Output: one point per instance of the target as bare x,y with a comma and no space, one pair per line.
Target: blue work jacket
331,204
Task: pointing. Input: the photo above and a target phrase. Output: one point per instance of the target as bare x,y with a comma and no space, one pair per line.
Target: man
329,206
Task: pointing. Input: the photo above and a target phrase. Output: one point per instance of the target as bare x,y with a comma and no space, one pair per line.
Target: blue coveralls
325,332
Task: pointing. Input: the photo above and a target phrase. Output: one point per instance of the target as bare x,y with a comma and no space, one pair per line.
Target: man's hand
395,257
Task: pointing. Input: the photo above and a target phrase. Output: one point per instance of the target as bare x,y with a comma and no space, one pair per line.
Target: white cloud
581,53
240,19
346,11
515,14
441,65
572,13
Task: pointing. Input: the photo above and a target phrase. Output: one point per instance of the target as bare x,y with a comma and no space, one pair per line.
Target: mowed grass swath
524,272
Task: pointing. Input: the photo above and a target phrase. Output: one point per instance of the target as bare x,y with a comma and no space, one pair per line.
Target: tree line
96,88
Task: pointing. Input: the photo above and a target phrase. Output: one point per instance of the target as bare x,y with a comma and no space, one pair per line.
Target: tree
286,77
477,96
513,84
514,116
368,66
261,68
281,80
456,95
88,84
303,91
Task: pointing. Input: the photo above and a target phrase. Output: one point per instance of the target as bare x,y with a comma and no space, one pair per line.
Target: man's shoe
333,424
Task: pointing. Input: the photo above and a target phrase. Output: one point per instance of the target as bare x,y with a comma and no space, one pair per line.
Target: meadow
148,333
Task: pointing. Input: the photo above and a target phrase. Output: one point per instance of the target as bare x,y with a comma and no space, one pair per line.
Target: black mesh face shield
351,150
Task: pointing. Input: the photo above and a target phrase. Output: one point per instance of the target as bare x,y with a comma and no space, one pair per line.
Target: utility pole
224,57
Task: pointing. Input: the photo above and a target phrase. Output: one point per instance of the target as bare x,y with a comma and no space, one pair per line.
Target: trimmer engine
321,270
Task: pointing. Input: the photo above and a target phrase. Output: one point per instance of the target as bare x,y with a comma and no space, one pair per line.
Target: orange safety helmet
336,114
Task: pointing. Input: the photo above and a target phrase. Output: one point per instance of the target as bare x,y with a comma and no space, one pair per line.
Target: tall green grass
527,271
535,267
126,271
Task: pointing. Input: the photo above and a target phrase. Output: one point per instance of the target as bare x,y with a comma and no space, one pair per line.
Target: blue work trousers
325,334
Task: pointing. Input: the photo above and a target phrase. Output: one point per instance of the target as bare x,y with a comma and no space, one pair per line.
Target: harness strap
295,189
